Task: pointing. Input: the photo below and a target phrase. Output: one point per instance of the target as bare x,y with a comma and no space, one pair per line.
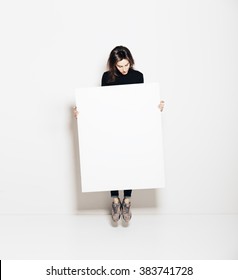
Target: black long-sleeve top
132,77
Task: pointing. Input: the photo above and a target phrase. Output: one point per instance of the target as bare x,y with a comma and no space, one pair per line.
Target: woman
120,64
120,72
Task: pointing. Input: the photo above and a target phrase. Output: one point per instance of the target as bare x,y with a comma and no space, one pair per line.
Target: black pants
127,193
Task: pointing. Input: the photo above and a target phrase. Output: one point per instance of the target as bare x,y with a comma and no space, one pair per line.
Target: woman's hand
75,112
161,105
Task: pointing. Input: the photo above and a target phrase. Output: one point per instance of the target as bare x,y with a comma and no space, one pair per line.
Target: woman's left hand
161,105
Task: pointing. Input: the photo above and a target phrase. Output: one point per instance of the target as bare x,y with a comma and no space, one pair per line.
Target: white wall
48,48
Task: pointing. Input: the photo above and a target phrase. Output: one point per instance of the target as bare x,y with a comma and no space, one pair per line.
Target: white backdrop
48,48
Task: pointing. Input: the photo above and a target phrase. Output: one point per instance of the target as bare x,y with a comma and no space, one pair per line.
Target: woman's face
123,66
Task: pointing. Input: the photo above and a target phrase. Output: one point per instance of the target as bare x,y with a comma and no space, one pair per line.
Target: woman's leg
127,193
114,193
116,206
126,205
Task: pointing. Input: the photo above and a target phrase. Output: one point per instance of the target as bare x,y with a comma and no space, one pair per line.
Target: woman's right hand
75,112
161,105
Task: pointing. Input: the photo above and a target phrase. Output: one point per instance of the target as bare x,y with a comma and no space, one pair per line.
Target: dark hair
117,54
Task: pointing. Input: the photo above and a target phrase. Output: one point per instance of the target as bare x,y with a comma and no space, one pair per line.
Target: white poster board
120,137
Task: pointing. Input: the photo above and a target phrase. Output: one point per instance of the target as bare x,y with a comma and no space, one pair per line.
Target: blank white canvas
120,137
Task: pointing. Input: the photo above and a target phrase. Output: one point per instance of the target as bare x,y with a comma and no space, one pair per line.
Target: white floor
84,237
